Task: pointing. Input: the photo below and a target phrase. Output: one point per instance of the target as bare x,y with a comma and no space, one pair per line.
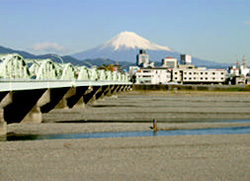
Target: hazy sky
216,30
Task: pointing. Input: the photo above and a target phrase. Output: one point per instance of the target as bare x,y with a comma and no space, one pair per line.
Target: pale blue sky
216,30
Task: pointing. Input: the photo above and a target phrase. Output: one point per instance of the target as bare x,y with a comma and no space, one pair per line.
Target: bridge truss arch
93,74
102,75
46,69
115,77
83,73
109,75
13,66
119,76
68,72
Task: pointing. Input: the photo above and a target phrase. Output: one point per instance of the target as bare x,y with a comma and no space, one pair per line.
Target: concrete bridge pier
5,99
109,90
77,99
124,88
116,88
35,115
56,96
90,96
120,89
21,104
3,127
103,92
127,88
63,103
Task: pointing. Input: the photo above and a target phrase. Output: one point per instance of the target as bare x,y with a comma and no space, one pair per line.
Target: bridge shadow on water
209,131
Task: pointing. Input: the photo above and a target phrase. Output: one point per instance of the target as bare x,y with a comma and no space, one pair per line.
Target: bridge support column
109,90
77,99
35,115
63,103
116,88
90,96
23,102
56,95
3,127
6,99
102,92
121,88
124,88
129,87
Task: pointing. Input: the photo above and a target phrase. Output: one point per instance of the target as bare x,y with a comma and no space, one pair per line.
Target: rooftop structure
169,62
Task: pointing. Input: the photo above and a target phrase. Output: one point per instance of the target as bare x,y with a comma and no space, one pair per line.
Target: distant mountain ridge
126,45
66,59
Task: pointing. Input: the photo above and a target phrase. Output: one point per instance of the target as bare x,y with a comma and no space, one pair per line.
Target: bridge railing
14,66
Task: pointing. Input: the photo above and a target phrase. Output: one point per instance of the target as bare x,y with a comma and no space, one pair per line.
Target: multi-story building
142,59
199,75
157,75
170,72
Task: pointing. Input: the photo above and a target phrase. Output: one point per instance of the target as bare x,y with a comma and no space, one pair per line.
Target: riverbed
172,157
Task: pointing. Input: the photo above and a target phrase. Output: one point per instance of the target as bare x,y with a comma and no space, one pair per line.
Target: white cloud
247,22
49,47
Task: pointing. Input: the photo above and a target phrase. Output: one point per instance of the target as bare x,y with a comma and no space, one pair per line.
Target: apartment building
199,75
157,75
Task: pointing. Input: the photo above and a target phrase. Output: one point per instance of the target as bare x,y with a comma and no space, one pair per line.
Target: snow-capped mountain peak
131,40
124,47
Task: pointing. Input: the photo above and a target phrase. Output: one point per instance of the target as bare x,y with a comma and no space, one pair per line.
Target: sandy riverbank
134,111
206,157
210,157
164,106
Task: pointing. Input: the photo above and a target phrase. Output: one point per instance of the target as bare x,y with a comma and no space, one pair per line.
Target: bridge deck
17,85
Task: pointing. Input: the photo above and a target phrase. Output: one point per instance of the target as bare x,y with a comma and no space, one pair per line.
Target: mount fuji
125,46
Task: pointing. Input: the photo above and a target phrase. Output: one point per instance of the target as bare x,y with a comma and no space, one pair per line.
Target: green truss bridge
29,88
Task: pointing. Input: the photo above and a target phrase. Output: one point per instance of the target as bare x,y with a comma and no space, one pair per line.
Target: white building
169,62
153,76
199,75
170,72
239,70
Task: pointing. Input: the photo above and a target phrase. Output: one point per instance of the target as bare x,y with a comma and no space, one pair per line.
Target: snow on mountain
131,40
125,46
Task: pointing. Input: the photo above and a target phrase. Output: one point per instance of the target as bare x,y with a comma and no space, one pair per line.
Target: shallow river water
209,131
